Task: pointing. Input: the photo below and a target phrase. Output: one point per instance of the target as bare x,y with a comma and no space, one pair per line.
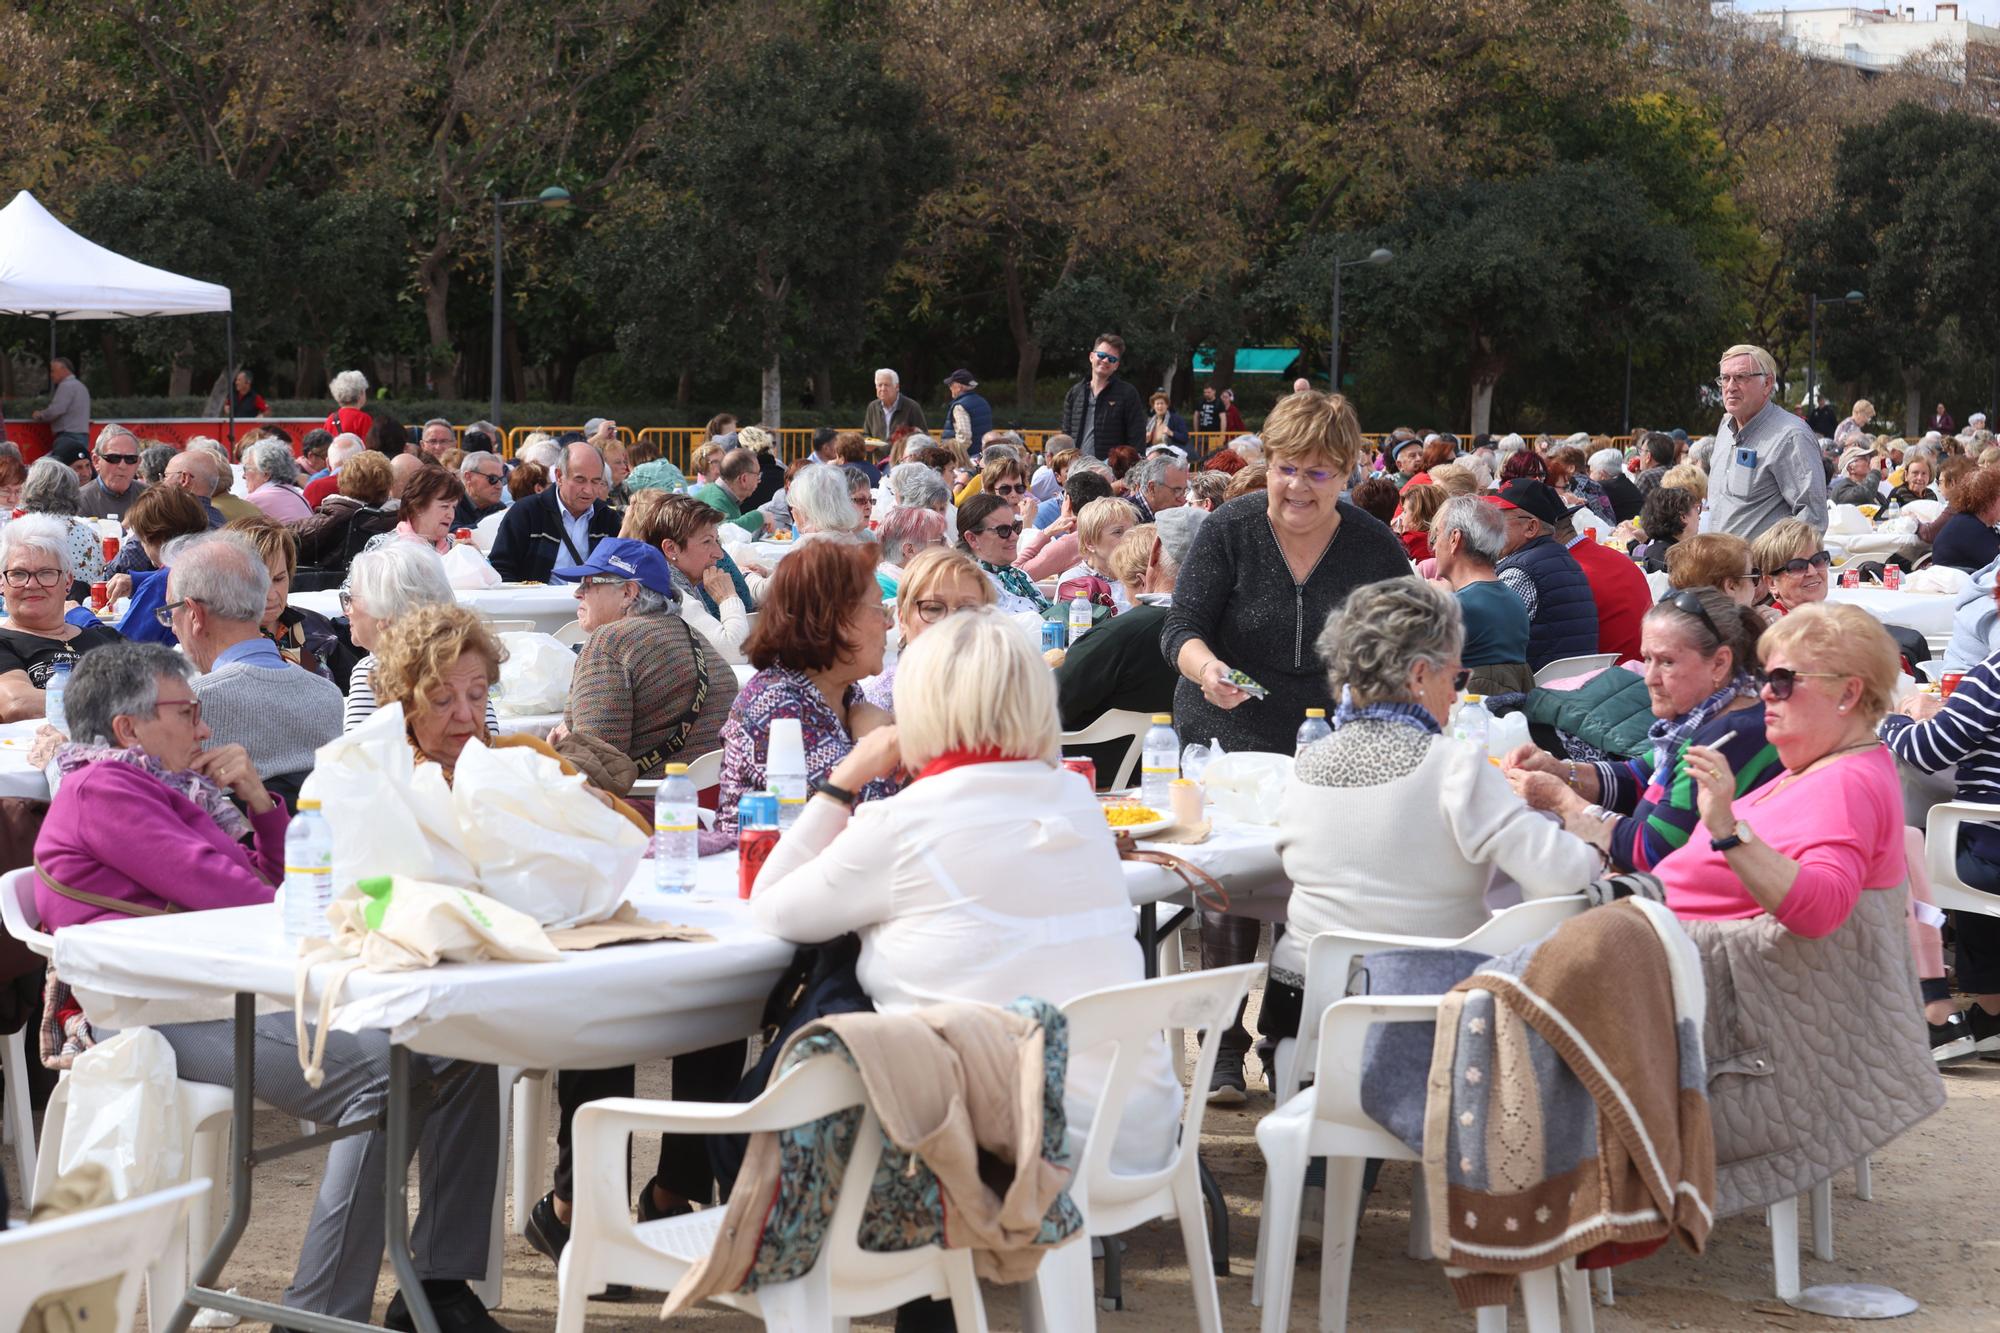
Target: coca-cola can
1949,682
1892,577
111,548
462,534
1082,764
1850,578
100,596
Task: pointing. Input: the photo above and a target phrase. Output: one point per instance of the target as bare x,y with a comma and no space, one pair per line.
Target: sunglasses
1004,531
601,581
127,459
1008,488
1817,560
1460,679
1781,681
1688,602
1105,356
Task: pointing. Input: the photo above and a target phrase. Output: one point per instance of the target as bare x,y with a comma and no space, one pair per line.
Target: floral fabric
773,693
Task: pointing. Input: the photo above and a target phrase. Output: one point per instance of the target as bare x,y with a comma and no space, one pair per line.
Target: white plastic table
17,777
549,605
1928,613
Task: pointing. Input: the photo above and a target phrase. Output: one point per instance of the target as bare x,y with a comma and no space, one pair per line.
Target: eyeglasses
193,715
1781,681
1724,381
165,614
1688,602
1005,489
1004,531
1817,560
1318,476
127,459
930,610
43,578
1106,356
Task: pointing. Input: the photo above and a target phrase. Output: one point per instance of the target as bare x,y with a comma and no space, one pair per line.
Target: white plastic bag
388,815
539,841
125,1113
1247,786
535,676
465,567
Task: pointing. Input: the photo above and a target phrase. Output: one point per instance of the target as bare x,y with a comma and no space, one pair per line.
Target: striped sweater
1658,807
635,681
1966,732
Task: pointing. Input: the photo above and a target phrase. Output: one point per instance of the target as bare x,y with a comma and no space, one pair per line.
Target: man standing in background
68,412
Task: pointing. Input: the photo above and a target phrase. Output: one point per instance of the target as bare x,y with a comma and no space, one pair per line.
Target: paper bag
539,841
388,815
125,1114
535,676
1246,786
465,567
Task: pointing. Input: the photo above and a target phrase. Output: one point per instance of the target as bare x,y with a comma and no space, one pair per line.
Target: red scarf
951,759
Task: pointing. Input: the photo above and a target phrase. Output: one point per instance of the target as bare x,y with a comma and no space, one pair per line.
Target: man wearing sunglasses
1766,465
1103,412
117,484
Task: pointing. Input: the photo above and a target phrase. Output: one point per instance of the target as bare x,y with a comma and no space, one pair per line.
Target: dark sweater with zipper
1236,594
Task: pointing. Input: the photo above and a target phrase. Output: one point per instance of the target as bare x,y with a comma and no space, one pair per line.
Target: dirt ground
1932,1231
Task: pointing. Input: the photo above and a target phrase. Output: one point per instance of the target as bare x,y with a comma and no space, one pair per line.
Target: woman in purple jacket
143,823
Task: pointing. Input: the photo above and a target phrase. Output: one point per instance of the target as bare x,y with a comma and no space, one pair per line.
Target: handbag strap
1207,889
121,906
677,734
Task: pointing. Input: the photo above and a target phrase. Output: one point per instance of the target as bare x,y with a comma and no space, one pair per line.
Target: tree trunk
117,366
1224,374
180,376
310,382
823,386
434,277
684,391
773,401
1487,367
510,363
1913,401
216,394
1027,350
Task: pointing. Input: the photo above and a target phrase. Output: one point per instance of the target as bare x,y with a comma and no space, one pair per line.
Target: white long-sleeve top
726,631
985,882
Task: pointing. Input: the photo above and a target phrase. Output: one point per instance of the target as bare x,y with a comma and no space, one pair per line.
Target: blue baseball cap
624,558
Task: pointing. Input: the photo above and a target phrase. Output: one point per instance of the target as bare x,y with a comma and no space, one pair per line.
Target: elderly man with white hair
1158,483
111,492
279,712
560,525
1607,469
485,478
438,439
271,477
892,409
1767,465
343,448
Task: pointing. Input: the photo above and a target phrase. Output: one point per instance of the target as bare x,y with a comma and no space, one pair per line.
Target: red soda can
463,534
1850,578
1949,682
1084,765
110,548
100,596
1892,577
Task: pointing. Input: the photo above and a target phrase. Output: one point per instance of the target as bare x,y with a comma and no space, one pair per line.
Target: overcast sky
1979,11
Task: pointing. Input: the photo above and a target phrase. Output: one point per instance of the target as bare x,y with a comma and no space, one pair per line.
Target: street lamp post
1813,303
555,196
1376,256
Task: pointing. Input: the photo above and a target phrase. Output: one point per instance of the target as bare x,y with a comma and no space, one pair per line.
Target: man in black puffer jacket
1102,411
1562,613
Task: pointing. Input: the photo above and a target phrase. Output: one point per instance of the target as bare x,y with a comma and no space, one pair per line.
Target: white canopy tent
47,270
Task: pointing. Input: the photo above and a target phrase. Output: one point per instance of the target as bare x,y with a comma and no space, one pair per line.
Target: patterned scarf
687,587
1015,580
1402,714
1668,735
213,800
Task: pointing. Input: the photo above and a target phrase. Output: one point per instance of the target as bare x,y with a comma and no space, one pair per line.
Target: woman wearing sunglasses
990,532
936,583
1804,846
1699,650
1795,562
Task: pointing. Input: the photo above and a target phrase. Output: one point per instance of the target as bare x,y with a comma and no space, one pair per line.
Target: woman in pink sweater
1831,826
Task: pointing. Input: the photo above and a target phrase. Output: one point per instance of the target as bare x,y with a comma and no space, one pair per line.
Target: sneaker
1985,1031
456,1308
549,1233
1225,1085
1952,1041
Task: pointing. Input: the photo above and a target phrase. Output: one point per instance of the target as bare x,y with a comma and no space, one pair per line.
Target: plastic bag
1247,786
466,567
539,841
125,1114
535,676
388,815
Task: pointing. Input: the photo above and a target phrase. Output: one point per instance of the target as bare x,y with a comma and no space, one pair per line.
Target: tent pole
52,351
229,375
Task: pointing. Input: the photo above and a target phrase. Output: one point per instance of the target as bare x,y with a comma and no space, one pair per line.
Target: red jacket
1623,596
317,491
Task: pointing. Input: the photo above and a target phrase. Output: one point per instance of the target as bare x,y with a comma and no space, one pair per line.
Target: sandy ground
1932,1230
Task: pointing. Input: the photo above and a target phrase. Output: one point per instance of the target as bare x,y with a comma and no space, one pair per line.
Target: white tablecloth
16,777
549,606
1928,613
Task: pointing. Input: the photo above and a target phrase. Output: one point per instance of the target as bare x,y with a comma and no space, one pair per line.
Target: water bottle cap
1315,712
675,770
308,803
1163,719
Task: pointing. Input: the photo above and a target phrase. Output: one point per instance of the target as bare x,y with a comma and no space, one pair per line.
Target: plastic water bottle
58,683
785,769
674,839
308,873
1159,763
1079,618
1314,728
1472,722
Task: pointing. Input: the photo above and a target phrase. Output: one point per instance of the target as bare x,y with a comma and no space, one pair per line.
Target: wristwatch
841,794
1743,835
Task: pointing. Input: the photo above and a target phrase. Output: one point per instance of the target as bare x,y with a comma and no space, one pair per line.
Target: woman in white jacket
687,533
941,916
1388,825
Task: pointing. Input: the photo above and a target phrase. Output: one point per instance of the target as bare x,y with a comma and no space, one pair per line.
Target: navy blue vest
978,410
1565,619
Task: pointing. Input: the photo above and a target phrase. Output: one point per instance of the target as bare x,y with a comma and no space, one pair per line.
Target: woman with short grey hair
915,486
384,585
820,501
272,480
35,640
1467,537
1388,824
350,390
52,490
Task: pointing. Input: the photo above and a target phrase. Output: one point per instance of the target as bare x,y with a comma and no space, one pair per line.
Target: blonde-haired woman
1100,526
938,582
943,918
770,467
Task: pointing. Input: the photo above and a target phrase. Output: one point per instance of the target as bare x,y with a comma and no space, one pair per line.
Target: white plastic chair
1565,667
1331,959
511,626
1948,891
23,922
1129,1019
1116,724
117,1240
572,634
606,1245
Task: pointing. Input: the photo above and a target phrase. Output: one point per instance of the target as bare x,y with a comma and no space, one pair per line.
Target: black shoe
652,1212
1952,1041
1985,1031
1225,1085
549,1233
456,1308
